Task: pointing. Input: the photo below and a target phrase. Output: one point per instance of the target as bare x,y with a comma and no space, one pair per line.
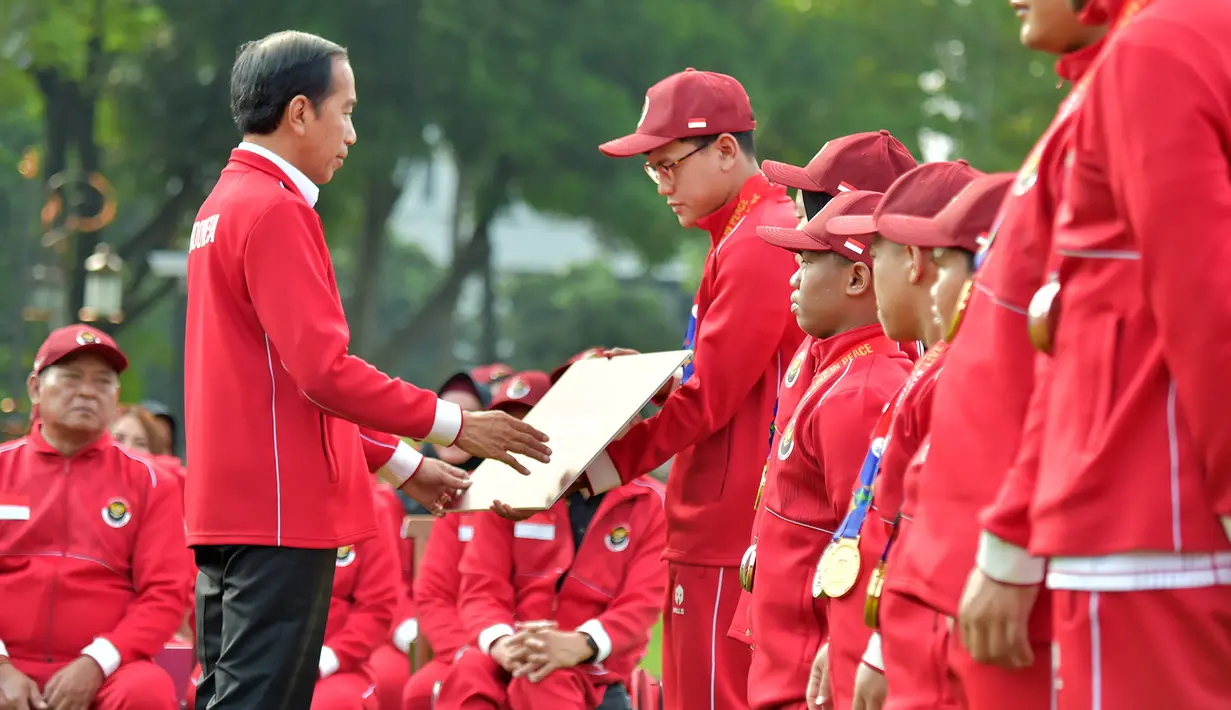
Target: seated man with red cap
584,579
92,567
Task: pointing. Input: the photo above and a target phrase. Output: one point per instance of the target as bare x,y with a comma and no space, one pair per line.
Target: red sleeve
291,283
1168,133
159,575
378,447
486,596
840,431
739,335
627,620
436,588
374,599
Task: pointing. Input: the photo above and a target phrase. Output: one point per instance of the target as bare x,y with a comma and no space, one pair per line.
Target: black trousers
261,614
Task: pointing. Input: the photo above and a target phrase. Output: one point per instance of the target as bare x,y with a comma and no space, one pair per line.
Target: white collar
306,187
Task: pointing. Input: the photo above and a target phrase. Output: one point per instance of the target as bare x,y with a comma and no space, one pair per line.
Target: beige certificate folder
581,413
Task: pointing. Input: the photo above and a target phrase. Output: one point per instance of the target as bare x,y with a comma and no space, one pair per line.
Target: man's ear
919,262
728,149
296,114
34,387
860,280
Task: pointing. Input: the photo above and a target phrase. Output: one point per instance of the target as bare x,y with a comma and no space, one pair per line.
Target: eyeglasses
663,171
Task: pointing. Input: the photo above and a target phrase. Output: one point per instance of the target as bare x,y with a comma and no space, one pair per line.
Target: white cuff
492,634
1007,563
329,662
405,634
1226,525
447,425
401,466
602,474
4,651
105,654
594,629
872,655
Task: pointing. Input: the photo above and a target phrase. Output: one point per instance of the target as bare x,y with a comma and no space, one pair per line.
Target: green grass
653,661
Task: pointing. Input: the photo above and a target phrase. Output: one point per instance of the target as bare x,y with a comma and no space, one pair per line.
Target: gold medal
962,301
838,569
1043,316
748,567
872,605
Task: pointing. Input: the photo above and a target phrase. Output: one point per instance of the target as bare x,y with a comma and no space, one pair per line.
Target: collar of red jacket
823,351
265,165
1074,65
40,445
1101,12
716,222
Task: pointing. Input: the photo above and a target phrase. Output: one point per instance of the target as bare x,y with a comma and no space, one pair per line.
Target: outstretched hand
496,435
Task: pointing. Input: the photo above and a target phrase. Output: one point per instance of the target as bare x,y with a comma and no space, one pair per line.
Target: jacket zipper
55,574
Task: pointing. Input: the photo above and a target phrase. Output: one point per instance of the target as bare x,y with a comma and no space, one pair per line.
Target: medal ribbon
861,500
1071,103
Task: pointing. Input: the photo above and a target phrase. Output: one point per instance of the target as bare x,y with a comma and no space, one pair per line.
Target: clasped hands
539,649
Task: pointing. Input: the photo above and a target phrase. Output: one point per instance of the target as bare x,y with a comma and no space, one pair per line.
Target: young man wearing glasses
696,135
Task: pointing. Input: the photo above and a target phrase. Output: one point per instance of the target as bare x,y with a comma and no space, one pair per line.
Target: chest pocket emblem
116,513
787,444
792,371
346,555
617,539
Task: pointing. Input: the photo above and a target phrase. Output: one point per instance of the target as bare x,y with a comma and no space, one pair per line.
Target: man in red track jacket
91,544
592,565
1131,476
858,369
279,485
696,133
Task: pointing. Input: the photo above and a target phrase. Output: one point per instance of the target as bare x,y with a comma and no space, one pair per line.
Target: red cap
861,161
586,354
487,374
687,104
522,388
816,237
74,339
963,223
922,192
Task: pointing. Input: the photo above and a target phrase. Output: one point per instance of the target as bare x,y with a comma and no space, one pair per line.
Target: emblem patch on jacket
617,539
346,555
792,370
678,608
116,513
787,443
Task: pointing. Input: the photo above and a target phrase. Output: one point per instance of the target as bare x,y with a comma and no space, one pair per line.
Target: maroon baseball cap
76,339
816,237
526,388
922,192
586,354
961,224
861,161
684,105
487,374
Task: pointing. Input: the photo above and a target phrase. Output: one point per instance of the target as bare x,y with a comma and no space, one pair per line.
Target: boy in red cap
902,277
917,260
861,161
980,411
696,133
1119,491
819,447
584,579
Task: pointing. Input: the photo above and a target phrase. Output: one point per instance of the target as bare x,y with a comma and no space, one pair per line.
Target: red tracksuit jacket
365,594
613,585
437,582
717,424
99,564
270,389
980,409
1135,454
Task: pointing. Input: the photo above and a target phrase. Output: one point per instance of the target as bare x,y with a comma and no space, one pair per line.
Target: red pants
139,685
476,682
787,623
703,669
1144,650
915,641
986,687
390,669
418,692
340,691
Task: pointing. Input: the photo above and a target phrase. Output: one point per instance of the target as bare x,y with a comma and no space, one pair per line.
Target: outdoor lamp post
46,295
104,286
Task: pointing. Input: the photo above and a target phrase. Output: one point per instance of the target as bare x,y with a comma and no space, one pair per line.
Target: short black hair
747,145
271,71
